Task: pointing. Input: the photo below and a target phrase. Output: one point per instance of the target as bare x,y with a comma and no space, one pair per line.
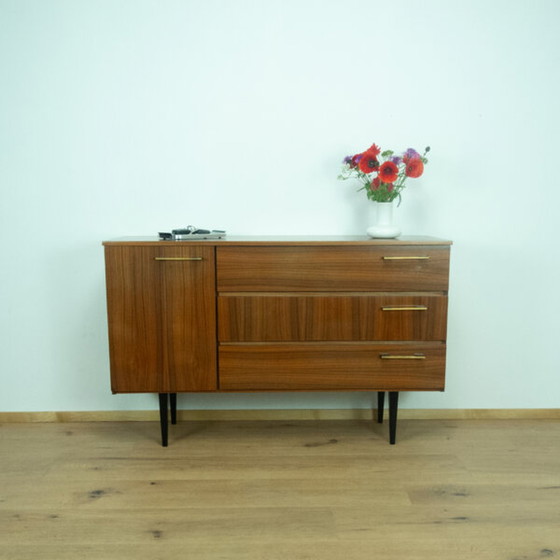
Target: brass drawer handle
405,308
177,258
411,258
403,357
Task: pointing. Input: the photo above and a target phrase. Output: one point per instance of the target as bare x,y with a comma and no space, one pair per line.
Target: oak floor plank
172,525
163,494
443,544
250,467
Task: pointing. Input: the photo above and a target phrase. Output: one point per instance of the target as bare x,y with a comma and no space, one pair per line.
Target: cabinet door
162,319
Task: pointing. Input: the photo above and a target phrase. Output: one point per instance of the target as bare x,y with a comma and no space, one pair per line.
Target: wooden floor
305,490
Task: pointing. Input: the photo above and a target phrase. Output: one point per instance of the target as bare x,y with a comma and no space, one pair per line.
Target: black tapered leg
393,407
163,417
380,406
173,406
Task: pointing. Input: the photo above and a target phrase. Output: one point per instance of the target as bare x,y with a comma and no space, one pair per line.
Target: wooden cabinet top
283,241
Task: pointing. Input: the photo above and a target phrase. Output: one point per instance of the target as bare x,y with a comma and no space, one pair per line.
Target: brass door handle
402,357
407,258
405,308
178,258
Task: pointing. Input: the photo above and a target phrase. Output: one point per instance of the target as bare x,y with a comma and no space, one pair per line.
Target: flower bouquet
384,178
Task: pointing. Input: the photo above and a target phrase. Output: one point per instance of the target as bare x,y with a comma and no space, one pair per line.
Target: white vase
384,227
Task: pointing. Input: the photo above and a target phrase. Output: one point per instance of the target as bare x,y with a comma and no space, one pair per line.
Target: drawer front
311,367
265,317
333,268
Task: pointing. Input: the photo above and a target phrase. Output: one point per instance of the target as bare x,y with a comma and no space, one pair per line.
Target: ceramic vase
384,227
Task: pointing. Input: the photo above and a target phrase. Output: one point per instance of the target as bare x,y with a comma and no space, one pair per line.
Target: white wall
125,117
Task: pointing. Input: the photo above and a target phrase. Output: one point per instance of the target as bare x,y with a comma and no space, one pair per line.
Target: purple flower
347,160
396,160
410,153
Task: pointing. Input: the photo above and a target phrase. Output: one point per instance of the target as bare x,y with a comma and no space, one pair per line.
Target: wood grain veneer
333,268
254,317
162,319
332,366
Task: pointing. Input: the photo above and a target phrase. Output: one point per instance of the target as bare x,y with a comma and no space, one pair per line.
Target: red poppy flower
368,162
388,172
414,167
374,150
375,184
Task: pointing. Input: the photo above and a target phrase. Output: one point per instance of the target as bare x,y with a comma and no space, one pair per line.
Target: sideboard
244,314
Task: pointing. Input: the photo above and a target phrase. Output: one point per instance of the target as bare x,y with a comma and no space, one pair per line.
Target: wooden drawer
395,268
311,367
279,317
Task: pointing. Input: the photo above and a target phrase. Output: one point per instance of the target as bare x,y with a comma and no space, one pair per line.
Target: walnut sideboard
244,314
